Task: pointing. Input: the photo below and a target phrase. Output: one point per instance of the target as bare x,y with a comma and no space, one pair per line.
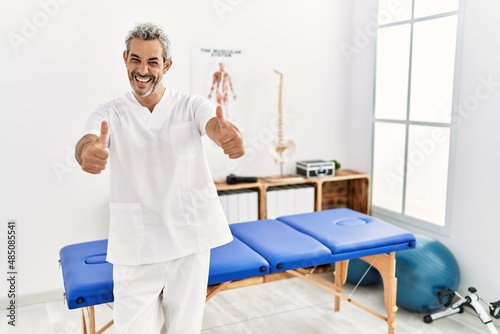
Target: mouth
142,79
142,85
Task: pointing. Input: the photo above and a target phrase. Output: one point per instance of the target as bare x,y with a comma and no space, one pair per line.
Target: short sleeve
93,124
203,111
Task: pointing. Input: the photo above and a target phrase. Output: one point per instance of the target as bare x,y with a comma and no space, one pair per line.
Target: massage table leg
105,327
213,290
89,321
384,263
386,266
310,240
84,323
332,288
340,277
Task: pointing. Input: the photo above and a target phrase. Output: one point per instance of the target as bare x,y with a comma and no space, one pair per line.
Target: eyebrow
132,55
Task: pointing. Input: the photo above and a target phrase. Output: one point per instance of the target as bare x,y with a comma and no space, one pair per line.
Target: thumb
103,138
223,123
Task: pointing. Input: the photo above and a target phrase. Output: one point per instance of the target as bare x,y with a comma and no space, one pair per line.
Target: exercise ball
422,272
358,269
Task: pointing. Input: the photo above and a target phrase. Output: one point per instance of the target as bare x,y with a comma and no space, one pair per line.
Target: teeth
142,79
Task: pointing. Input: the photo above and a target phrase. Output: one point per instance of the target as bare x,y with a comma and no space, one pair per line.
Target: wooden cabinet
347,189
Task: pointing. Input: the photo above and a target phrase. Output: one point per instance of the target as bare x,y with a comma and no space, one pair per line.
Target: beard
132,79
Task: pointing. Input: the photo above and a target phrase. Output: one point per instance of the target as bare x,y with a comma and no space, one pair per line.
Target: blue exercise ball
424,271
360,272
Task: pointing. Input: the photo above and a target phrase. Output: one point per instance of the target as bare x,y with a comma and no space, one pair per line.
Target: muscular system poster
219,74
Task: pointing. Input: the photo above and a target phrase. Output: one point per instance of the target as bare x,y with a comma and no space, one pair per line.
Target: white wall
475,225
73,63
62,58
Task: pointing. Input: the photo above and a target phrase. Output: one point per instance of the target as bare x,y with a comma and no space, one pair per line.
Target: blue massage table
289,244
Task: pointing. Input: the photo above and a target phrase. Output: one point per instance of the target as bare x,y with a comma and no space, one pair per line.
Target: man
165,215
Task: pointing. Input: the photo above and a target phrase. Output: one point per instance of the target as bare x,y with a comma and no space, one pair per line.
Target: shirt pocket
126,228
184,137
203,210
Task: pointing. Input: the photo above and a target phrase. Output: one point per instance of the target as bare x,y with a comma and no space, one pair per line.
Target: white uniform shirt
163,201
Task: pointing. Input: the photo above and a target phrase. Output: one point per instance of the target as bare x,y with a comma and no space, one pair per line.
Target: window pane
393,49
388,166
427,173
433,7
390,11
433,66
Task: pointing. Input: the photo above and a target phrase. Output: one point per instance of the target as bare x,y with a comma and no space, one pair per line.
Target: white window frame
401,219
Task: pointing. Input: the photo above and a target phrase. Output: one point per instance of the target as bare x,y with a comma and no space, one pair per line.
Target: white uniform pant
139,306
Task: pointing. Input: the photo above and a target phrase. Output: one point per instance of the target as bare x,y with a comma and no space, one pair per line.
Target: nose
143,69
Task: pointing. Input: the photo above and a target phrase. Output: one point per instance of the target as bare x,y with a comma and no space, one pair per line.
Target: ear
125,56
167,65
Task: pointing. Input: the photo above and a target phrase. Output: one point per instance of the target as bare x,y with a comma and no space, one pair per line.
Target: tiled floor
289,306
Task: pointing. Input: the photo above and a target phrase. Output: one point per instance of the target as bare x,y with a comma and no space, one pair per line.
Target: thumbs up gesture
94,154
227,136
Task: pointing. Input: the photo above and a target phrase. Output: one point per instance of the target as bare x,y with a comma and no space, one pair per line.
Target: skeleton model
280,149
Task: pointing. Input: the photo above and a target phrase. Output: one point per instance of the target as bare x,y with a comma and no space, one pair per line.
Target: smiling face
146,67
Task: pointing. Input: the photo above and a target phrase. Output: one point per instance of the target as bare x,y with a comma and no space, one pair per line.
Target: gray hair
149,31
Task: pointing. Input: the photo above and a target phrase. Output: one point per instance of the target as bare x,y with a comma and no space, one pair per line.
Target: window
413,107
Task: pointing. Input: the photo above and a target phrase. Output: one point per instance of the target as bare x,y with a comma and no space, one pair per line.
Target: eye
134,60
153,63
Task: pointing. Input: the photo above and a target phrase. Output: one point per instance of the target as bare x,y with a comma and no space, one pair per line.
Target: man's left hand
229,138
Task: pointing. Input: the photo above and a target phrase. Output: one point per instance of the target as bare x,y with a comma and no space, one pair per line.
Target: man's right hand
94,155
